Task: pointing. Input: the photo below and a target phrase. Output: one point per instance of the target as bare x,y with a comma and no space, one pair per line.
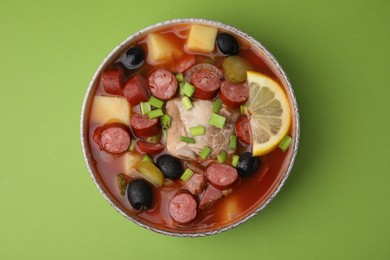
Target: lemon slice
269,112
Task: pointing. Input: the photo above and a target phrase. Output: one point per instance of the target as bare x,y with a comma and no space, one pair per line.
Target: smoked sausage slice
221,176
144,127
136,90
242,130
233,95
114,139
112,81
150,148
183,208
206,84
162,84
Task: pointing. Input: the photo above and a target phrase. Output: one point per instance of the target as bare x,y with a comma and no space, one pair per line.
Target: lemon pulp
269,112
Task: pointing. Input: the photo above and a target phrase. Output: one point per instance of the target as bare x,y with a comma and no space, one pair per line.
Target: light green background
335,205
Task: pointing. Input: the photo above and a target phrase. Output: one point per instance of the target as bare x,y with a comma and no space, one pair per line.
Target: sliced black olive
247,164
134,57
140,194
227,44
170,166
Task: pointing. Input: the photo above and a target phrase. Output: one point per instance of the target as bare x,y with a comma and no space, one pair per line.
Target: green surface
335,205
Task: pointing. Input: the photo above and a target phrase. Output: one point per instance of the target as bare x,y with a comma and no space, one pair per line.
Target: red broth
246,196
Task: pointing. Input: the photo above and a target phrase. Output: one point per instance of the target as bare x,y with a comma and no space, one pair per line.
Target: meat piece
206,84
183,208
136,90
233,95
150,148
221,176
242,130
210,196
182,120
196,184
114,139
112,81
162,84
144,127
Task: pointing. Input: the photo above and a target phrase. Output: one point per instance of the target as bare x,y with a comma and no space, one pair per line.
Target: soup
181,135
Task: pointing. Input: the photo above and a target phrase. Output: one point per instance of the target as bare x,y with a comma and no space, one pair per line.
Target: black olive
170,166
139,194
134,57
247,164
227,44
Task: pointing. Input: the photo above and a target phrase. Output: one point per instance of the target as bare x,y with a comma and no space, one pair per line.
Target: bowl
269,180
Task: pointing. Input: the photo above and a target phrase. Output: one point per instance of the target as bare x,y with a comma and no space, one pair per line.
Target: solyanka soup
189,127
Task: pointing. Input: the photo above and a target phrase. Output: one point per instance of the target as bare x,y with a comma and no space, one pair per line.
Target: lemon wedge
269,112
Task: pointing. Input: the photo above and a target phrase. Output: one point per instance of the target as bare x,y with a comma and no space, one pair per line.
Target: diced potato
202,38
110,109
130,160
161,49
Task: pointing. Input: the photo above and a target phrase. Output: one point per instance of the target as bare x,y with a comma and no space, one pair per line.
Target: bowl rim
118,49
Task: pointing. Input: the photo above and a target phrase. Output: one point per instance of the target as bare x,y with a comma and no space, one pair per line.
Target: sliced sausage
114,139
112,81
150,148
144,127
210,196
136,90
242,130
162,84
183,208
221,176
233,95
206,84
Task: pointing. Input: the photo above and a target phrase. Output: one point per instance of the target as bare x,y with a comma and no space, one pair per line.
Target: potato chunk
202,38
107,109
161,49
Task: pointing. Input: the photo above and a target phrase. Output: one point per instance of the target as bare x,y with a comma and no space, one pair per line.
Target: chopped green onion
217,120
155,102
235,160
187,174
132,145
181,85
188,89
146,158
197,130
222,156
187,103
179,77
205,152
166,120
187,139
243,109
233,142
217,104
285,143
155,113
145,108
